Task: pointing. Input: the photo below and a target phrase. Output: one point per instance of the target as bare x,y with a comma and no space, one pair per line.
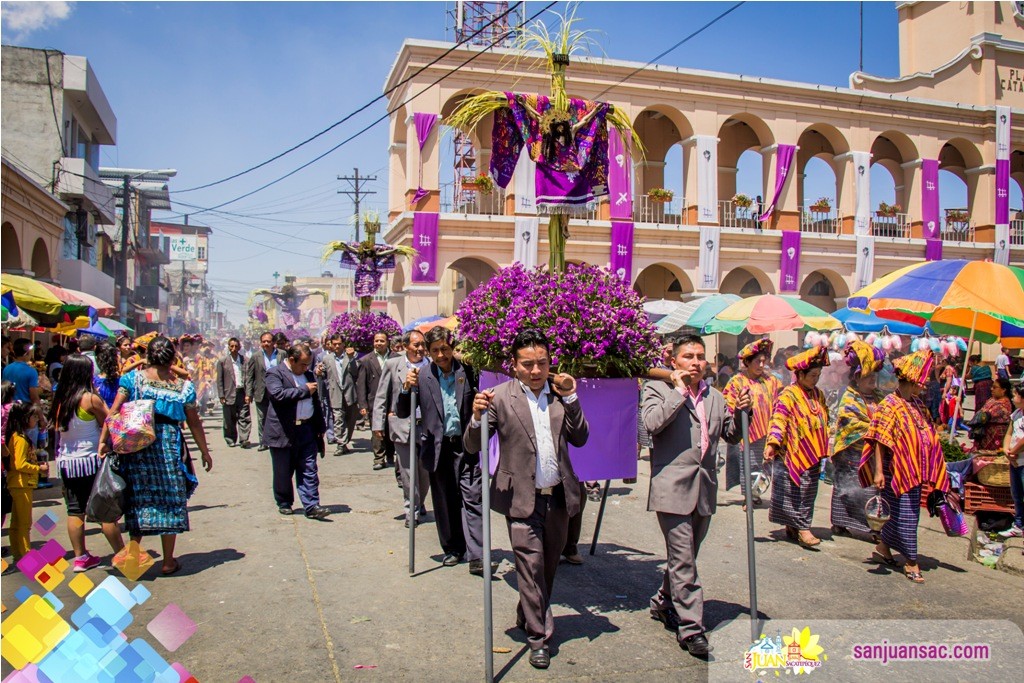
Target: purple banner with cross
930,225
620,187
424,241
621,261
424,124
611,407
933,250
789,275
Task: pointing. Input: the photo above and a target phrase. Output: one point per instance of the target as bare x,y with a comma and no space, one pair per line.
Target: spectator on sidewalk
24,377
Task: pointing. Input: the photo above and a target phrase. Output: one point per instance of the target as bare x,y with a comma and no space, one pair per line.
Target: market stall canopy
770,313
695,314
449,323
115,326
863,322
656,309
74,296
421,321
31,295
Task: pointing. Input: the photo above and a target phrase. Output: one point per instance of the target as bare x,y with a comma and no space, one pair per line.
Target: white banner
707,182
524,183
862,186
865,272
1002,255
1002,132
707,261
527,238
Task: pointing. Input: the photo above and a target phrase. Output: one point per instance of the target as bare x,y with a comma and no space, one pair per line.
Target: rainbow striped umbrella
976,295
770,313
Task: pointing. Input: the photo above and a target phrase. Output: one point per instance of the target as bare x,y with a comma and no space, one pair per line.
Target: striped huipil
798,432
763,392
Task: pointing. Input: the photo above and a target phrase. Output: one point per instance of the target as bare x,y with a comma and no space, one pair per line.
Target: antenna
484,23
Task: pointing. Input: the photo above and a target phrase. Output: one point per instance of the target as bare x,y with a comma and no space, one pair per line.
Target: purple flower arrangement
595,322
358,327
293,333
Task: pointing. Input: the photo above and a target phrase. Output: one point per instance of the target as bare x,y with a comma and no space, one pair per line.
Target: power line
356,192
357,111
374,123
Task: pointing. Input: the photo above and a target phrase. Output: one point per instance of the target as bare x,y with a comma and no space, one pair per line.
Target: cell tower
484,24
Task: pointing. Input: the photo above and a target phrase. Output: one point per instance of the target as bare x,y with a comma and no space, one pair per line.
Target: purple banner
424,124
933,250
622,251
789,274
611,407
1002,191
620,188
783,163
424,241
930,224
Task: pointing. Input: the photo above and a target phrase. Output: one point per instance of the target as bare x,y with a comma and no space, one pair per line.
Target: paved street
290,599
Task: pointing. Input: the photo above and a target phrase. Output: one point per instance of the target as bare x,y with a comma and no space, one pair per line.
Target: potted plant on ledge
889,210
821,205
956,216
660,194
482,184
742,201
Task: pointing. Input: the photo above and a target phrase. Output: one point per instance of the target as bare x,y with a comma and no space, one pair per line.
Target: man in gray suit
535,486
686,418
385,404
340,369
369,369
256,368
231,389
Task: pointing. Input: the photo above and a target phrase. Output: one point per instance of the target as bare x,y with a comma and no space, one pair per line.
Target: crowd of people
294,399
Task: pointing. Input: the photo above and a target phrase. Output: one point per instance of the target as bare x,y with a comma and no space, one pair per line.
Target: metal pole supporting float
600,515
755,626
413,498
485,475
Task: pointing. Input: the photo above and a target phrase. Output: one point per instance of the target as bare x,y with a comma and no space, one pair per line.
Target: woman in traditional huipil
901,452
798,438
853,418
764,389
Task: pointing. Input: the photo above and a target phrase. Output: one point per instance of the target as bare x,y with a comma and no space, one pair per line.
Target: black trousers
446,494
298,461
236,418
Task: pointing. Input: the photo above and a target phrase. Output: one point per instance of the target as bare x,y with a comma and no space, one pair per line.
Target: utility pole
357,192
125,226
183,309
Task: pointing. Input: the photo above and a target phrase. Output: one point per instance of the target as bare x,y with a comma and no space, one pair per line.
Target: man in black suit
446,389
368,371
256,368
535,486
294,431
231,389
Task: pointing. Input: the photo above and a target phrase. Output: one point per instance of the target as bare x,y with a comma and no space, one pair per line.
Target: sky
212,88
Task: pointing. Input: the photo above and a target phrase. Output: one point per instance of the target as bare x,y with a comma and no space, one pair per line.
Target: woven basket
995,474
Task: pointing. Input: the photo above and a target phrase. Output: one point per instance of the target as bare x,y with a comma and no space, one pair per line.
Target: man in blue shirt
21,374
446,389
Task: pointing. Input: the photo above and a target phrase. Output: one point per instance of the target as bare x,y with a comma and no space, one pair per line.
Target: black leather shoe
540,658
667,617
317,512
451,560
697,645
284,510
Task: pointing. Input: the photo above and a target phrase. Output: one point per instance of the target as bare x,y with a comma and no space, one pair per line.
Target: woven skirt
792,504
156,492
848,496
900,532
734,463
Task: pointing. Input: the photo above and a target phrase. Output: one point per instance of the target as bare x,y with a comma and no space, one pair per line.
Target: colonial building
958,61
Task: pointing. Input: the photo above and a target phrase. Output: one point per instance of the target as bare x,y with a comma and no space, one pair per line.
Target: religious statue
566,137
369,259
288,299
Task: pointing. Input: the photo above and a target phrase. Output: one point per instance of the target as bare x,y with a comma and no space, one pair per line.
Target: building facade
55,117
180,286
941,113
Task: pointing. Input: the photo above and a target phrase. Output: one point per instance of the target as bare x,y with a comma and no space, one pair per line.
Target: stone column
981,192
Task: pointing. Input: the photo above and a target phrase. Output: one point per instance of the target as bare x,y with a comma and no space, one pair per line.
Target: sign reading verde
183,248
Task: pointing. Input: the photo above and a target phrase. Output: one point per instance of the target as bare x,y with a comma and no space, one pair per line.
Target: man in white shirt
1003,364
231,389
534,486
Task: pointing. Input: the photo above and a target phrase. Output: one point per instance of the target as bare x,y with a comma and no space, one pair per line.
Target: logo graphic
424,267
791,252
798,653
707,155
621,273
620,159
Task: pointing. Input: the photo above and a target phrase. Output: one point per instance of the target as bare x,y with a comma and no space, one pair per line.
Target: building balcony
732,216
647,210
472,202
895,225
820,222
156,250
78,181
151,296
958,231
1017,233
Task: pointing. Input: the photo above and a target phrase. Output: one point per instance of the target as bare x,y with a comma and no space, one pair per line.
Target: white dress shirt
547,462
304,409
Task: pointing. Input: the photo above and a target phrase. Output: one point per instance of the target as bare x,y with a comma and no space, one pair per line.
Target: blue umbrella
857,321
420,321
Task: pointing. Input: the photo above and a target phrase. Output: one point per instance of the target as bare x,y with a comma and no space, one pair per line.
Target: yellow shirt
24,472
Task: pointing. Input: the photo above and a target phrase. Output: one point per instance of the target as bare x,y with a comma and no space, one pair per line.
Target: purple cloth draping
933,250
611,407
783,164
424,125
424,241
790,266
620,189
622,250
1002,191
930,225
